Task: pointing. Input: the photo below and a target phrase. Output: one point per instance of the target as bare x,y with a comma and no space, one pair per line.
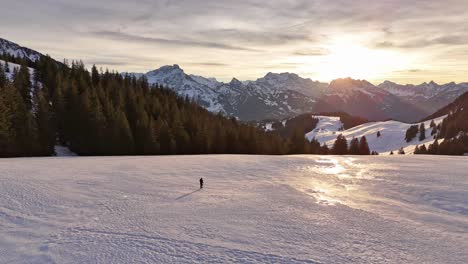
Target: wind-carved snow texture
392,134
253,209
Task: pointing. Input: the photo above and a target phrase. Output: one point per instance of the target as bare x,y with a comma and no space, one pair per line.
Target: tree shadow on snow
187,194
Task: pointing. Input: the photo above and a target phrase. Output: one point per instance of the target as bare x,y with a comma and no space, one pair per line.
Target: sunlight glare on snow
335,168
335,180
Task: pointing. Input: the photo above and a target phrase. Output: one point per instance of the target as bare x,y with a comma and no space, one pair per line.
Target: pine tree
324,150
422,132
23,127
3,77
6,136
22,82
314,146
340,147
363,146
422,150
411,133
401,151
354,147
378,134
298,143
433,148
45,130
95,75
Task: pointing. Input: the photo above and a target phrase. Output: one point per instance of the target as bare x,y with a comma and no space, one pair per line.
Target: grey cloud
209,64
219,30
116,35
272,37
411,71
103,62
315,52
448,40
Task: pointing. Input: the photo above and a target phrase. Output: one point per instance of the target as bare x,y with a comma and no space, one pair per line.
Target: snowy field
254,209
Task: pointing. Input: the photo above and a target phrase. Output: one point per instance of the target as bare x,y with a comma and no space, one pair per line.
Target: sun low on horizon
406,42
345,57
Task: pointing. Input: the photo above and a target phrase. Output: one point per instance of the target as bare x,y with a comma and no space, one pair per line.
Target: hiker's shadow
187,194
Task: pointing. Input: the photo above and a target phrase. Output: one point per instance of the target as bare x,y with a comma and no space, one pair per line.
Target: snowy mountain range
283,95
426,96
278,96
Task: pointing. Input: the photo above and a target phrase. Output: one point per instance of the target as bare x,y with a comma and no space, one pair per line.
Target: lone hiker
201,183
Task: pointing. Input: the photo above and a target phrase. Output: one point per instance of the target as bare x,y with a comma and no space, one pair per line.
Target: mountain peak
283,75
235,81
167,70
13,49
349,83
389,82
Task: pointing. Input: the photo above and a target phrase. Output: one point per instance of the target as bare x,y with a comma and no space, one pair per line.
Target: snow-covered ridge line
392,134
283,95
13,49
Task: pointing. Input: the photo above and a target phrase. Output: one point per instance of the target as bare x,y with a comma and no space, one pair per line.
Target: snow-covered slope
10,48
253,209
327,125
392,134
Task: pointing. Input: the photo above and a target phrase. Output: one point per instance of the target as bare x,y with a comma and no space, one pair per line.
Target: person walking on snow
201,183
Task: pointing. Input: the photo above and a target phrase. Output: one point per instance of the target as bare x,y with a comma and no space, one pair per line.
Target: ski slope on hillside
254,209
392,134
327,126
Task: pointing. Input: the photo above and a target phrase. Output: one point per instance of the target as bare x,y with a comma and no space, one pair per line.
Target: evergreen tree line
453,132
454,146
413,131
356,146
25,117
105,113
348,120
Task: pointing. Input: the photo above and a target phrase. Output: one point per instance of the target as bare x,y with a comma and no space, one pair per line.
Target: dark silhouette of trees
411,133
354,147
363,146
340,147
422,132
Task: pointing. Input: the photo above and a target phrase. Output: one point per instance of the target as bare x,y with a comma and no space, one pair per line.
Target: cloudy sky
407,41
